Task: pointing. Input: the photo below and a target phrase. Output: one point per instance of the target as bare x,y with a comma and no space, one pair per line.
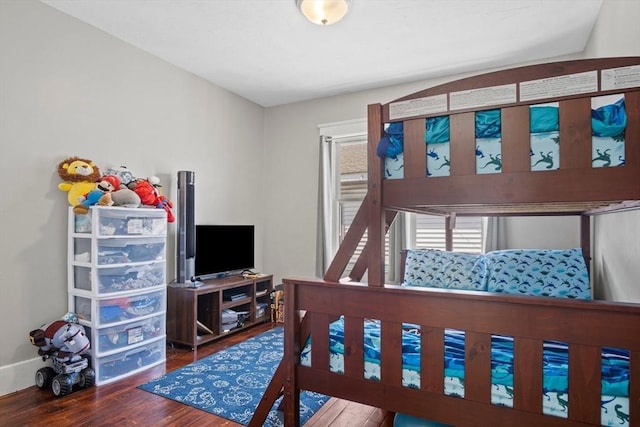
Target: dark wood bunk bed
576,188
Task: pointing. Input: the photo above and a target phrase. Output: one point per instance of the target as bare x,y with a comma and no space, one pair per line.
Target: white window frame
338,132
355,131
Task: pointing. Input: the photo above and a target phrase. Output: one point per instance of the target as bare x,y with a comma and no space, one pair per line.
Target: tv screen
223,250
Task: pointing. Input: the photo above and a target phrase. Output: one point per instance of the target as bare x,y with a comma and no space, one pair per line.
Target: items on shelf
277,306
220,306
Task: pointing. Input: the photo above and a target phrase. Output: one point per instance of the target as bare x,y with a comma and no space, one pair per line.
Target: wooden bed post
376,230
292,346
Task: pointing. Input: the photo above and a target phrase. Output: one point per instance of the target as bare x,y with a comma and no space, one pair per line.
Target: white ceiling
267,52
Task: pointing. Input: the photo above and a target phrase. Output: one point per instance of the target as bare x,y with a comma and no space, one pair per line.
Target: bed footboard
585,326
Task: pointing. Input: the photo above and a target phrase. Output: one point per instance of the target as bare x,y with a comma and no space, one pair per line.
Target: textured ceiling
267,52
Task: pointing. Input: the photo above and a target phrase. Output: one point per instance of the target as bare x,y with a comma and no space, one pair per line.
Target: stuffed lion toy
79,177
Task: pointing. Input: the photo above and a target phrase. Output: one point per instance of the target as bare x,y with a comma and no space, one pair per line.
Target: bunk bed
527,167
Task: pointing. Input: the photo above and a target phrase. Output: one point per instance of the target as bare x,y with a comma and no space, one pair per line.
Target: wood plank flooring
122,404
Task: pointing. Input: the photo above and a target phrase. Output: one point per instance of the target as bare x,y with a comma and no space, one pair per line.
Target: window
351,157
430,233
344,174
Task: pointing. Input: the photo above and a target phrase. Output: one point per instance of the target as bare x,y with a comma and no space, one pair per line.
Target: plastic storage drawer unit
116,283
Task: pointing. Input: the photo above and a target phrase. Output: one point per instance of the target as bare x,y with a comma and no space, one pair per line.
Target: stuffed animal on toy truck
65,343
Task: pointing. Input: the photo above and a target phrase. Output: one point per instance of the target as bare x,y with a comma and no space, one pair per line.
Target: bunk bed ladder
275,389
350,243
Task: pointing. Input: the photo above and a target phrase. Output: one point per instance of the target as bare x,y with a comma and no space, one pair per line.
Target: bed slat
353,346
477,366
575,133
415,163
584,383
391,353
432,359
319,325
462,145
515,155
527,374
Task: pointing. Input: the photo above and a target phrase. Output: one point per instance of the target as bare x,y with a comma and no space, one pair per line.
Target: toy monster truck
65,343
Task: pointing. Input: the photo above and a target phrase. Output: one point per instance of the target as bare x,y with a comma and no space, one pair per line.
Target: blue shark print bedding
488,141
535,272
608,124
539,272
436,136
394,167
440,269
544,128
391,149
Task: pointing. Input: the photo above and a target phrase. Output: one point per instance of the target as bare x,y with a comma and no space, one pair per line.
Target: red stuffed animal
150,196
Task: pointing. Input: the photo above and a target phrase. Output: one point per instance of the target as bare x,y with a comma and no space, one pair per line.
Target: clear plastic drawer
117,221
109,311
130,361
119,337
120,279
121,251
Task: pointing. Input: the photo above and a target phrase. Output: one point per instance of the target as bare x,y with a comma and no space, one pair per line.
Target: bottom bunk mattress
615,369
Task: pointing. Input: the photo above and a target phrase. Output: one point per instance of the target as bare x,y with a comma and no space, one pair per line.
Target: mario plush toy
100,196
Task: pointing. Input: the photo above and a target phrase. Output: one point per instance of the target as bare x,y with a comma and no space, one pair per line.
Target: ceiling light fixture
324,12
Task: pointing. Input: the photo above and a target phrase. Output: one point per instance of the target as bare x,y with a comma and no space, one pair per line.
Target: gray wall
68,89
616,254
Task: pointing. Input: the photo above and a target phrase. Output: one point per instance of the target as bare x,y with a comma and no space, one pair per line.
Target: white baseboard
19,375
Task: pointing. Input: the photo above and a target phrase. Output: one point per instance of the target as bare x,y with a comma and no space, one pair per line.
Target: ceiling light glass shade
324,12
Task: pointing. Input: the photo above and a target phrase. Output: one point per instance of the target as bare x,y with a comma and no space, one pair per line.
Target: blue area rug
231,383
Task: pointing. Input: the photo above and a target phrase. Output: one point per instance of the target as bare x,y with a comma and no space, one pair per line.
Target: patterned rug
231,383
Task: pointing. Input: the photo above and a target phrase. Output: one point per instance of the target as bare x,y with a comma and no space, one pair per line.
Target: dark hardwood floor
122,404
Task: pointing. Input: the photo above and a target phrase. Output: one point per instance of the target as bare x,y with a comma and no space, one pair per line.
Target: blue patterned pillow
451,270
539,272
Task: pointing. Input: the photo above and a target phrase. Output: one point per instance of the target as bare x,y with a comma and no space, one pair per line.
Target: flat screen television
223,250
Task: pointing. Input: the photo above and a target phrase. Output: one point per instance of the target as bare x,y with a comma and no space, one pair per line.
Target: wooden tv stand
195,315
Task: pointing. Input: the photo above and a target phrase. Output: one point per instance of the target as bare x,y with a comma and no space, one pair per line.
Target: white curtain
328,177
494,234
325,218
397,242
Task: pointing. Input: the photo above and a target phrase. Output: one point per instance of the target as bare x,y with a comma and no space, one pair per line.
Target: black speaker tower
186,239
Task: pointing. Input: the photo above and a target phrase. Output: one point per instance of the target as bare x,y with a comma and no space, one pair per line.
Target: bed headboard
582,183
575,187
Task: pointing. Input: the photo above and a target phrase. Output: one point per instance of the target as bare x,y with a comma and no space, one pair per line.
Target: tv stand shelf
199,315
